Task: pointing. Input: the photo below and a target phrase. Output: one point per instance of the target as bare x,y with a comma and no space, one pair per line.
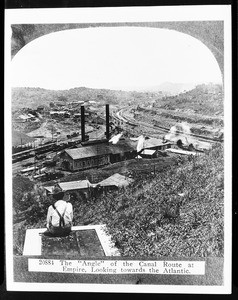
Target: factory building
85,158
96,155
93,154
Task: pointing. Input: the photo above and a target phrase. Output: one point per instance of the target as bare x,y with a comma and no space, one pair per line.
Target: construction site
41,148
58,158
105,160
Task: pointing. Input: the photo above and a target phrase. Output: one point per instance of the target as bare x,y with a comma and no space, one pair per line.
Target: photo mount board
143,15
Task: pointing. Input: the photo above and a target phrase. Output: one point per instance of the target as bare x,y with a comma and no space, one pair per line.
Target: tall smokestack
107,122
82,124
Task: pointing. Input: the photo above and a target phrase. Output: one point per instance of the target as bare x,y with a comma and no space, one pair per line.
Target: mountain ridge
34,96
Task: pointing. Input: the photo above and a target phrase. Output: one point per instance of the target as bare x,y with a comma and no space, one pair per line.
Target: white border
32,245
104,15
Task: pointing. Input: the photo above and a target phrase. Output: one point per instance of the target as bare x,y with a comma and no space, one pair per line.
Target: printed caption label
117,266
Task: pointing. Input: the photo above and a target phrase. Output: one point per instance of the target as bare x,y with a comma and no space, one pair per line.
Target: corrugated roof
89,151
100,149
148,152
71,185
116,180
74,185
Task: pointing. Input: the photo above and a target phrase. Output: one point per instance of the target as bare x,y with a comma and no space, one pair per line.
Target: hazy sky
113,58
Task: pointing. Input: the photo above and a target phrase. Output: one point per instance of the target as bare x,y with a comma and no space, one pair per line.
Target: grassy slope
135,217
132,216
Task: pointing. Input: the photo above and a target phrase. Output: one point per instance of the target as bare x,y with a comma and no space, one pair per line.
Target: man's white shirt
53,217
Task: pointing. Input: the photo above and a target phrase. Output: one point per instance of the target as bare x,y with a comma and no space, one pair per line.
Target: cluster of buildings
60,110
93,154
84,188
101,154
26,118
29,114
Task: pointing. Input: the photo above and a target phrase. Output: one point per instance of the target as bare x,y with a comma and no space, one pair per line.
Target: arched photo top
120,57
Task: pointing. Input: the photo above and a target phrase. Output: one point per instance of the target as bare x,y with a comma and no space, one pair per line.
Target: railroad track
121,117
27,156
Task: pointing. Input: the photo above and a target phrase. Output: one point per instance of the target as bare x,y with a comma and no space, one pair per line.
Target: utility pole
52,132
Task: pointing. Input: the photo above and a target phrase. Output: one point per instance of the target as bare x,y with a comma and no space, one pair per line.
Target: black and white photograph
118,149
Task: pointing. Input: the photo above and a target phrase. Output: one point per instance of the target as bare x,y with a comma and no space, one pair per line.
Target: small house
114,182
148,153
79,188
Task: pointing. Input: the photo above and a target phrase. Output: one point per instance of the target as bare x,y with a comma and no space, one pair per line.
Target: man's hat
56,190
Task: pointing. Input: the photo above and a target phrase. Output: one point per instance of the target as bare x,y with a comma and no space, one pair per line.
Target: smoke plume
115,139
180,131
140,144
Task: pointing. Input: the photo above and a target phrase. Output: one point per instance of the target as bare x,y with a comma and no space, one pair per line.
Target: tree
62,99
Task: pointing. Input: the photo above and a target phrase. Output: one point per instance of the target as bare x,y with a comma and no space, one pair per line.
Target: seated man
60,214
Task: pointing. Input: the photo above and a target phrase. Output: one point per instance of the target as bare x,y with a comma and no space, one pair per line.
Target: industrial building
93,154
101,154
84,158
96,155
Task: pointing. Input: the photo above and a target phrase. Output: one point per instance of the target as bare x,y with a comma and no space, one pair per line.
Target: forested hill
205,99
32,97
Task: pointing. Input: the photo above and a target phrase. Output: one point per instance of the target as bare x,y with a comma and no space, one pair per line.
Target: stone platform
90,240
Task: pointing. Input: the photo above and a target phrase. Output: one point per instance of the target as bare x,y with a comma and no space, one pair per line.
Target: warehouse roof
99,149
89,151
116,180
